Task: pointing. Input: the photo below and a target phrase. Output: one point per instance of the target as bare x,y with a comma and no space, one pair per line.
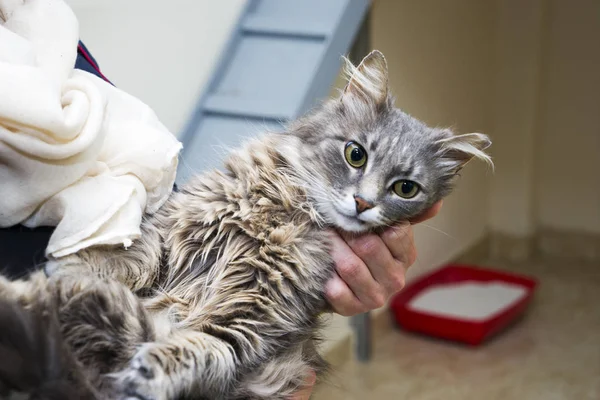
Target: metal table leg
362,335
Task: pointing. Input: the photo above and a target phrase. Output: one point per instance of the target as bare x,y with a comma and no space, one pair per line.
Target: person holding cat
370,268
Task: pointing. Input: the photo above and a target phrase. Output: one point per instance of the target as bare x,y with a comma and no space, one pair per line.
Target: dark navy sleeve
22,249
86,62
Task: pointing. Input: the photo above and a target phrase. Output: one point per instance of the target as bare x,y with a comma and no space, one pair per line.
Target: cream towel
75,152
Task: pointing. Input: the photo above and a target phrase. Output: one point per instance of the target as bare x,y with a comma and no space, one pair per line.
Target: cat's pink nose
362,204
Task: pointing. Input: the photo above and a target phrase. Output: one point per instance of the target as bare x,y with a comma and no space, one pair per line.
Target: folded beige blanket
75,152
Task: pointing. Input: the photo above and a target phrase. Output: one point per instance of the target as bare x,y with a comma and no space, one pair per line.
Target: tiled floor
551,354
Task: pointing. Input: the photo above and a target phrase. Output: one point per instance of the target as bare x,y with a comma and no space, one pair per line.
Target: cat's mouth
349,223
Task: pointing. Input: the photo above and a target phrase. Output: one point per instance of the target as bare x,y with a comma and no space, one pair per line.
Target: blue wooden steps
282,58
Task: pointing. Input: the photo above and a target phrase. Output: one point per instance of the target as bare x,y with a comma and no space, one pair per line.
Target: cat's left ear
369,81
461,149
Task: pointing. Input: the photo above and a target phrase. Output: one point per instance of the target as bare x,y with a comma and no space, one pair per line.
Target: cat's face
367,164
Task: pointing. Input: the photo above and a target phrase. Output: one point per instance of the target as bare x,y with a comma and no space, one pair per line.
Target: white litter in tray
468,300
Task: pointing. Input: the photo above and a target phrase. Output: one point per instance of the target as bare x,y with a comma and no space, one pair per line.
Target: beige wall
568,143
515,105
547,116
162,52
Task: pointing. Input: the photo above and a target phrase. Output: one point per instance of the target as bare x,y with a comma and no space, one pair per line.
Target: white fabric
75,152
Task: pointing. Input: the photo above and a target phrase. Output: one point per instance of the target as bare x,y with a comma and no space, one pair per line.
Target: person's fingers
400,241
429,213
387,271
370,268
342,299
354,272
306,391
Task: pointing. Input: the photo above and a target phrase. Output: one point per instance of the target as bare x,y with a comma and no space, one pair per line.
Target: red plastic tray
467,331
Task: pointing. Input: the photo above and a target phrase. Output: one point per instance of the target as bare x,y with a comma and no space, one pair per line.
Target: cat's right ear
460,149
369,81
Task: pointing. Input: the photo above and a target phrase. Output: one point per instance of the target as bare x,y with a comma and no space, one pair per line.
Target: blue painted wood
266,26
346,27
281,59
274,70
249,107
224,133
312,17
195,120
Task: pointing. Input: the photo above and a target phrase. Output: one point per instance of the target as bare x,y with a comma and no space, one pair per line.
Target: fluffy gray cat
229,275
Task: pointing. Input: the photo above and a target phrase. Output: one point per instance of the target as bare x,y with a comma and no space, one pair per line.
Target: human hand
371,268
306,391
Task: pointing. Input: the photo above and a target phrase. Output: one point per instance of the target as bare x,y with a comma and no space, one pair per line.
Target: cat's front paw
67,266
143,379
51,267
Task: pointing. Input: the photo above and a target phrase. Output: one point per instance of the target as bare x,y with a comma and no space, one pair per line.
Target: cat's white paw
51,267
143,379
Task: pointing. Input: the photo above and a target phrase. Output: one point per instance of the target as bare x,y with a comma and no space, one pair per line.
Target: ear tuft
461,149
368,81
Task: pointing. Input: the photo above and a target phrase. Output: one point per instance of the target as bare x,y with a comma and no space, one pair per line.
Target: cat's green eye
406,189
355,154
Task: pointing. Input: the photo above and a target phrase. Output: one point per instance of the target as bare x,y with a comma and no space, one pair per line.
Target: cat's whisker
183,162
437,230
